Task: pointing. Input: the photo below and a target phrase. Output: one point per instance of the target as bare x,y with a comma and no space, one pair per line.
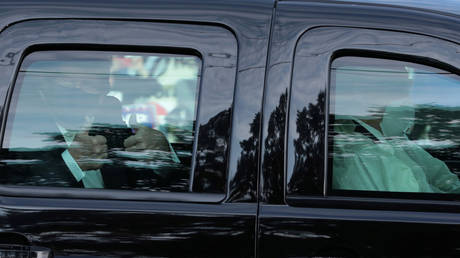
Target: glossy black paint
248,20
176,225
325,232
217,81
122,228
162,224
305,220
306,137
292,19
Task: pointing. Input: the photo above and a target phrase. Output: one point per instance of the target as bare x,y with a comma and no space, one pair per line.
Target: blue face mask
397,120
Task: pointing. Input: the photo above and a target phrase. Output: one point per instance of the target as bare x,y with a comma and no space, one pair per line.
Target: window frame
384,194
218,64
321,46
18,84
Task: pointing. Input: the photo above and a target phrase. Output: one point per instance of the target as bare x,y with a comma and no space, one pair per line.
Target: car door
357,97
185,72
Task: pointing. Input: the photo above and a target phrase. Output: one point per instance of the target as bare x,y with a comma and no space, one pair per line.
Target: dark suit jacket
45,166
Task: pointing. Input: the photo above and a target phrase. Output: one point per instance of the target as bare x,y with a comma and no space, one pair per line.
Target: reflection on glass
102,120
394,126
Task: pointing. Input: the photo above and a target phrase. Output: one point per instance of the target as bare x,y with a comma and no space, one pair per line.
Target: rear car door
359,132
179,72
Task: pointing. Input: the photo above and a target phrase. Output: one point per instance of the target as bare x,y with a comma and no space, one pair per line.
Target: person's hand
86,149
146,139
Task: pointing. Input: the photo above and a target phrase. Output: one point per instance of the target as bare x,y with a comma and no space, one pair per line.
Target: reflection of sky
365,91
35,118
362,92
436,89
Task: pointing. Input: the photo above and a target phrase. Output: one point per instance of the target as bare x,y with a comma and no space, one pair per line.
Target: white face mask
397,120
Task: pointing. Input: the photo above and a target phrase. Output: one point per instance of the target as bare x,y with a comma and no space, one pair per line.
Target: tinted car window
394,126
92,119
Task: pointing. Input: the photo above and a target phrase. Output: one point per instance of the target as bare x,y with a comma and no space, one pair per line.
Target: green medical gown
389,164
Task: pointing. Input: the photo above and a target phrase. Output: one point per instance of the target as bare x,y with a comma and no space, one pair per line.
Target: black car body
265,68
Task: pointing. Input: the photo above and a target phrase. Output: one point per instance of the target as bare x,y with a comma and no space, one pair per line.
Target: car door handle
15,250
40,252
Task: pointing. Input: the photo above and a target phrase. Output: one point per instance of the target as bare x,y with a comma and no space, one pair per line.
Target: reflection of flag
150,114
161,111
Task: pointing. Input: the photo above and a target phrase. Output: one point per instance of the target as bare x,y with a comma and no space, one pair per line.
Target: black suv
262,128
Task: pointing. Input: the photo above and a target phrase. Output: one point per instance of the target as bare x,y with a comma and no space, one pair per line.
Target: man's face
74,98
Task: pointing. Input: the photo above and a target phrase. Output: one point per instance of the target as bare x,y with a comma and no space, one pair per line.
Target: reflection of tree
211,157
443,123
307,176
439,126
245,182
273,157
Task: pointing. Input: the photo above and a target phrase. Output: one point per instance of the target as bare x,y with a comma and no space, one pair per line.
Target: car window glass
393,126
113,120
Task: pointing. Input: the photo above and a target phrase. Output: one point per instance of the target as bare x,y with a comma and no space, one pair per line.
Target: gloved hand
86,149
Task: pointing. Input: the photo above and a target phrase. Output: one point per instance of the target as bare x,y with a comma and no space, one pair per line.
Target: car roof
450,7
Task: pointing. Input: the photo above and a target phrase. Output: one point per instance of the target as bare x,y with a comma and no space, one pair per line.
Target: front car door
180,72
